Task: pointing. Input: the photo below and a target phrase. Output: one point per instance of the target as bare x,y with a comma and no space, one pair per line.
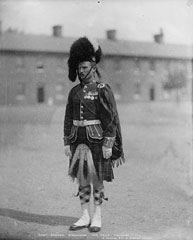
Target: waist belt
84,123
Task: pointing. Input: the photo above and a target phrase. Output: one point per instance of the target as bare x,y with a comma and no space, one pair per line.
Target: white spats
96,219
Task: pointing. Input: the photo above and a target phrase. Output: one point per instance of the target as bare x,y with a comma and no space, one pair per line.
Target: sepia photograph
96,133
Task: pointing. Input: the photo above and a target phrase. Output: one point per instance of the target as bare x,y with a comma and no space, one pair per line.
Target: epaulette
101,85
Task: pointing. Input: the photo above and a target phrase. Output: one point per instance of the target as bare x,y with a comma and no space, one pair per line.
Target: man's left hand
107,152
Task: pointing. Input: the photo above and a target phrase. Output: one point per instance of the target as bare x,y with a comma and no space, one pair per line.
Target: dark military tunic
94,101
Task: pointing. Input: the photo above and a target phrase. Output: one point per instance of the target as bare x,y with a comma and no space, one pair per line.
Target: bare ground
150,198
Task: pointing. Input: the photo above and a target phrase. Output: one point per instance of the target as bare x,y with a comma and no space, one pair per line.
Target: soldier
92,134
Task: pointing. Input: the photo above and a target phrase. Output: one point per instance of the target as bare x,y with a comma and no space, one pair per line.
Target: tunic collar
88,83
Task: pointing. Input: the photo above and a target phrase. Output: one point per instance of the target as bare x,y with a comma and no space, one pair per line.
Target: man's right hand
67,151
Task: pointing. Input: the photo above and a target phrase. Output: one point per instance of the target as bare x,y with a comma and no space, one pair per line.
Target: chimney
159,38
57,31
111,34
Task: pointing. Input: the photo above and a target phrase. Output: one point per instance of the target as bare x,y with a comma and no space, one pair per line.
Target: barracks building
33,68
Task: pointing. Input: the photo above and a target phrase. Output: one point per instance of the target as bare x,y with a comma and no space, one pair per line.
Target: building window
20,63
137,66
40,66
117,64
137,89
167,65
59,91
118,90
181,66
60,87
40,93
60,66
20,88
152,93
152,67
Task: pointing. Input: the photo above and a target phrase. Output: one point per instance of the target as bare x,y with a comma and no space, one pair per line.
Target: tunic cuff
108,142
66,141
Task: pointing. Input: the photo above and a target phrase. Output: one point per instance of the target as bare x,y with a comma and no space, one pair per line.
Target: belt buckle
82,123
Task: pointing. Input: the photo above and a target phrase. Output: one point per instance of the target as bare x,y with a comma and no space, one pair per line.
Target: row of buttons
81,111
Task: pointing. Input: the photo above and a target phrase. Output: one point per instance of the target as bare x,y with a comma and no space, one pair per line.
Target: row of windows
21,88
152,64
137,94
138,63
40,64
137,87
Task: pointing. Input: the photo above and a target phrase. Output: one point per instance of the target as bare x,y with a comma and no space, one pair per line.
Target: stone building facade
33,68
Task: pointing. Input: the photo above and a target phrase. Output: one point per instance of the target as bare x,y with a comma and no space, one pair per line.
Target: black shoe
94,229
75,227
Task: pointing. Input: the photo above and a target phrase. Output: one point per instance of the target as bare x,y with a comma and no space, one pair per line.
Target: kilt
103,166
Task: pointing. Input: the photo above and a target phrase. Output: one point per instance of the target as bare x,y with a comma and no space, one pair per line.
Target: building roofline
10,42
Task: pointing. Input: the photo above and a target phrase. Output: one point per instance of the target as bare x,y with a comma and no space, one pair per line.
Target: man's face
86,71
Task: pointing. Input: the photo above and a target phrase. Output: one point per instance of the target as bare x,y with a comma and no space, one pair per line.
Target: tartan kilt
104,168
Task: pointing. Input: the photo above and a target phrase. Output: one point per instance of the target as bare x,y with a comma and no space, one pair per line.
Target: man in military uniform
92,134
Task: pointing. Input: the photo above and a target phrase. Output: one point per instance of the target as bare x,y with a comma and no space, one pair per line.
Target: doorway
152,93
41,94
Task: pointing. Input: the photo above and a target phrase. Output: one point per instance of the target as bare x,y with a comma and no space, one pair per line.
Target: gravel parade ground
151,197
